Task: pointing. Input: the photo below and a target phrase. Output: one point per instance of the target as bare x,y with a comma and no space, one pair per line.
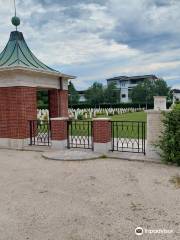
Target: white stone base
59,145
152,152
18,144
102,147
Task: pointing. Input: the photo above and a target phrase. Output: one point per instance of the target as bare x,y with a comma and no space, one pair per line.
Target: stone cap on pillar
160,103
59,119
101,119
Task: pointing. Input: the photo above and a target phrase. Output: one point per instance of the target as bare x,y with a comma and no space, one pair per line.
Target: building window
123,95
123,84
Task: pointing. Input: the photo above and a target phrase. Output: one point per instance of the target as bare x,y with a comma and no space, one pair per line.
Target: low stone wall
102,134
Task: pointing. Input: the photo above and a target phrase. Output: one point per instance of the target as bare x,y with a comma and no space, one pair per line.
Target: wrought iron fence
80,134
128,136
39,133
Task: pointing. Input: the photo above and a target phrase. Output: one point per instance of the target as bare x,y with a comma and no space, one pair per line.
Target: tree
111,93
145,91
161,88
73,94
95,94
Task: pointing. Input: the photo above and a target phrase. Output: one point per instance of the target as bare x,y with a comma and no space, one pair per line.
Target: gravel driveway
101,199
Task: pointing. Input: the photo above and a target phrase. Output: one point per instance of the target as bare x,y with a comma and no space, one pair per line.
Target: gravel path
102,199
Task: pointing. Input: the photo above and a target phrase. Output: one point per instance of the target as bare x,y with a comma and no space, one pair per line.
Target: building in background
176,95
126,84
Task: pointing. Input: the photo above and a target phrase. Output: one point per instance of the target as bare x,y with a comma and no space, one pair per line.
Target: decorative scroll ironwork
128,136
39,133
80,134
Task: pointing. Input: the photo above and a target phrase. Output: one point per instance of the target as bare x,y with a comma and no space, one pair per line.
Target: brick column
59,133
17,106
58,103
102,135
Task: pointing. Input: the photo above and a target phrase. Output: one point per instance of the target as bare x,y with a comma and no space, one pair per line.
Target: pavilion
22,75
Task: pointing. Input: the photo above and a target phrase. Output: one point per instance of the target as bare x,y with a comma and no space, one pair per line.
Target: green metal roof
18,54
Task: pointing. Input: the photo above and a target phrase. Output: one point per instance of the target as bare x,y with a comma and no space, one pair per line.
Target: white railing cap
101,119
59,118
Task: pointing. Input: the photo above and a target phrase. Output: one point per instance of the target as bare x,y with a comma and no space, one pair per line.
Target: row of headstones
159,104
94,112
43,114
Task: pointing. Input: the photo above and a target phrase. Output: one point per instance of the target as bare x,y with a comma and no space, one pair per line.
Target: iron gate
39,133
128,136
80,134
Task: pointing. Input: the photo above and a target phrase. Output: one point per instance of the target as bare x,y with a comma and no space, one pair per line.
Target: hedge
115,105
169,142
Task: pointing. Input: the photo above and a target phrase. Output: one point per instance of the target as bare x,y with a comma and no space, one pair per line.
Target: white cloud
176,86
78,41
101,40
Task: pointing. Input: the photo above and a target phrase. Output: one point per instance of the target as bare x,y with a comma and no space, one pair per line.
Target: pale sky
99,39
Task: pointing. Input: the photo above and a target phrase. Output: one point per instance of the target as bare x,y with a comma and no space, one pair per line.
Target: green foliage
95,94
111,93
73,94
42,99
139,93
170,140
142,95
145,91
161,88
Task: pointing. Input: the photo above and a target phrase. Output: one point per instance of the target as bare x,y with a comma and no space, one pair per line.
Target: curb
69,160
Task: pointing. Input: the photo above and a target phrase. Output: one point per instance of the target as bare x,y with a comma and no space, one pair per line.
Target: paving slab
71,155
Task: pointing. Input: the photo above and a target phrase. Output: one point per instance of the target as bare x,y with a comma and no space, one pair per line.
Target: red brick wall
58,103
17,106
63,98
101,131
53,103
59,129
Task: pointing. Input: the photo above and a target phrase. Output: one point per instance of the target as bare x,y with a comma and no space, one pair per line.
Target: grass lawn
136,116
125,130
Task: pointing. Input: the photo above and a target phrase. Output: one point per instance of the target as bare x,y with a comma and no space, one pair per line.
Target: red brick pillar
59,133
102,135
17,106
58,103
